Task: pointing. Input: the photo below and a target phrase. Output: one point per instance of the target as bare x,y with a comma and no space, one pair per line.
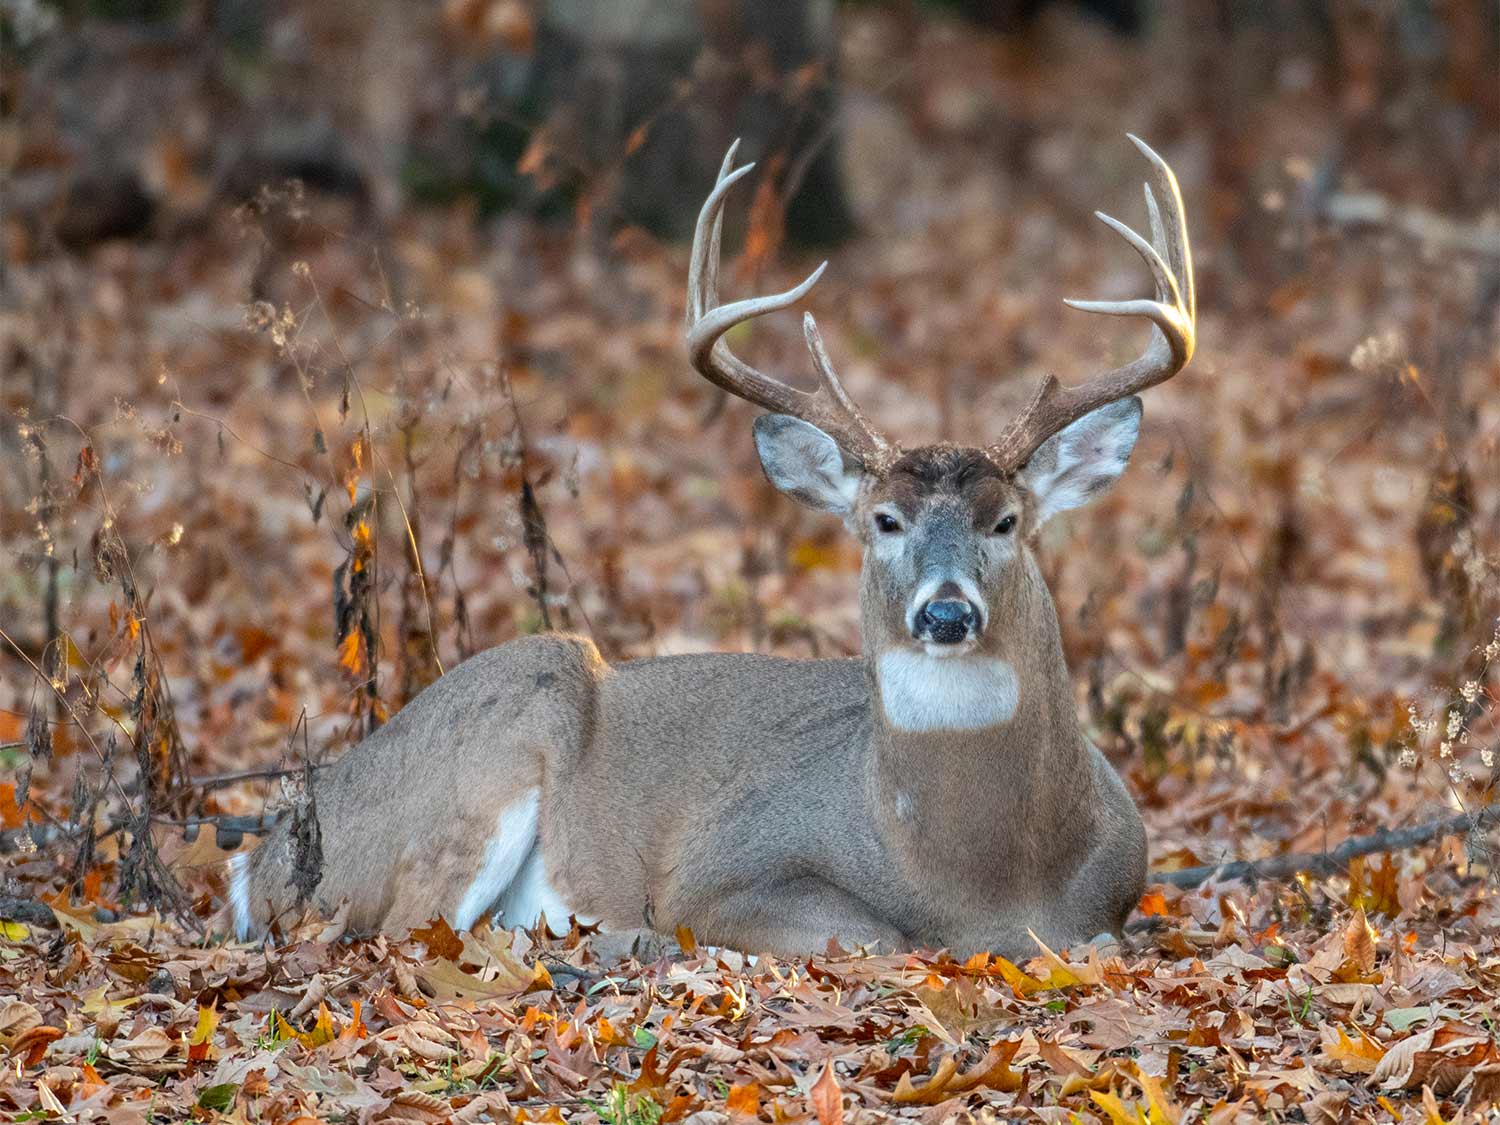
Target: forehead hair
943,468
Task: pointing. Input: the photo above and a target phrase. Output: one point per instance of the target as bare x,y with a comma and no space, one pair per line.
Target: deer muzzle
947,620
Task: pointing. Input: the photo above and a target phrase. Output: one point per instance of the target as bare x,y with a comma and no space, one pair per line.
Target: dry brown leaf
1406,1062
1358,1055
416,1107
826,1097
151,1044
16,1018
930,1092
501,978
1359,941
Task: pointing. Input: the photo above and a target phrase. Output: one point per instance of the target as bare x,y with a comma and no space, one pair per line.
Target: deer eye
886,524
1005,526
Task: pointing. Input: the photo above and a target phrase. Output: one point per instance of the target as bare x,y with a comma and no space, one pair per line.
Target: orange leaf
1153,904
31,1046
351,652
1356,1056
744,1099
608,1034
652,1080
826,1097
439,939
993,1071
686,939
355,1029
1359,941
930,1092
10,812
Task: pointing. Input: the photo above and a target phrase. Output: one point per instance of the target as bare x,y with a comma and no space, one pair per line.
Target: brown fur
767,804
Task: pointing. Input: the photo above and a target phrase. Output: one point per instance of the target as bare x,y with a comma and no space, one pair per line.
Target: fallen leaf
826,1098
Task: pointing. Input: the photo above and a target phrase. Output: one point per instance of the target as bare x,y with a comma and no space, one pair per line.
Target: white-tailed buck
936,791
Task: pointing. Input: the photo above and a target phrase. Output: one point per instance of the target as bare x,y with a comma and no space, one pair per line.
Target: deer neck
994,733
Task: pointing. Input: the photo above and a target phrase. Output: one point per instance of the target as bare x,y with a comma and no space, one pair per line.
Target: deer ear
805,463
1077,463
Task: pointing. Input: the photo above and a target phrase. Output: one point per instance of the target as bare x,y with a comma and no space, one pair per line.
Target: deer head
947,530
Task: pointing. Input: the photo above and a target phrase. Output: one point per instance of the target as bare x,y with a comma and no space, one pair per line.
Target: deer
935,791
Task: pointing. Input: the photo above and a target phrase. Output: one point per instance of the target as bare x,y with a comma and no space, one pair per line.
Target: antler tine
828,408
1173,316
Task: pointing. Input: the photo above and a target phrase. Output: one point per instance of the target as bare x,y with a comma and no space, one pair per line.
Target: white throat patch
922,692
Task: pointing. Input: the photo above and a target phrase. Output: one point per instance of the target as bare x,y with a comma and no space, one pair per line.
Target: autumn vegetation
286,453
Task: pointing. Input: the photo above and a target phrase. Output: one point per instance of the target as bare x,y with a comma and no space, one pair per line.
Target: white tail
936,791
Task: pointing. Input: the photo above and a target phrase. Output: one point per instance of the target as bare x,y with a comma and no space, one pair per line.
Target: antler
829,407
1173,315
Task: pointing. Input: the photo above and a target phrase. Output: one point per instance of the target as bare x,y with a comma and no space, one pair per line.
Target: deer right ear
805,463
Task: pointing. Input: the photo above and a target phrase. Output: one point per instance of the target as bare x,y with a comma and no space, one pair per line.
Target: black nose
946,621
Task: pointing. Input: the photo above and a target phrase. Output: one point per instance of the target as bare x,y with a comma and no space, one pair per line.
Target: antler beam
829,407
1173,315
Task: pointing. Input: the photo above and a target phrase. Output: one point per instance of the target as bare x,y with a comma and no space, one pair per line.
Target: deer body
768,831
936,792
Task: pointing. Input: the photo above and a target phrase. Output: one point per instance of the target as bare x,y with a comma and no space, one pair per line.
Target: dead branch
1332,863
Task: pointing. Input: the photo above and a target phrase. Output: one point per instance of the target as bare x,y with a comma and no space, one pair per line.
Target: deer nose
947,621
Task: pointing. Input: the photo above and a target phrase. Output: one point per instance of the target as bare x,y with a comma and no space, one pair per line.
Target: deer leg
792,919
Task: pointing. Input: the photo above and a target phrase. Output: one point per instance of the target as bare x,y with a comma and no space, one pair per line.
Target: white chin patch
922,692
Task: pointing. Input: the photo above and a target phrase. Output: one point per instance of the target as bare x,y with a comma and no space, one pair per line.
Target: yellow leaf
1119,1112
1023,983
97,1002
208,1020
14,931
1431,1113
199,1046
1162,1111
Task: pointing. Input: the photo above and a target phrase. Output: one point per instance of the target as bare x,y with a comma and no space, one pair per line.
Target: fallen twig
220,780
1332,862
39,836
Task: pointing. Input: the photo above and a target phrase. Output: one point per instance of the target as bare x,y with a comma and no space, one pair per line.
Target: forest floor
1283,624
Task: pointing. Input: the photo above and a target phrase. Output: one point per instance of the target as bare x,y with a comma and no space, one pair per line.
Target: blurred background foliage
342,339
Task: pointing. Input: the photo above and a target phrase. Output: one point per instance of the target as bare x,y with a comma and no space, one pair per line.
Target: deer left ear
1076,464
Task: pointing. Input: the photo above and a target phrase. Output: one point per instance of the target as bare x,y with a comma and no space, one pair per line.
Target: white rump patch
239,895
531,897
922,693
504,854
